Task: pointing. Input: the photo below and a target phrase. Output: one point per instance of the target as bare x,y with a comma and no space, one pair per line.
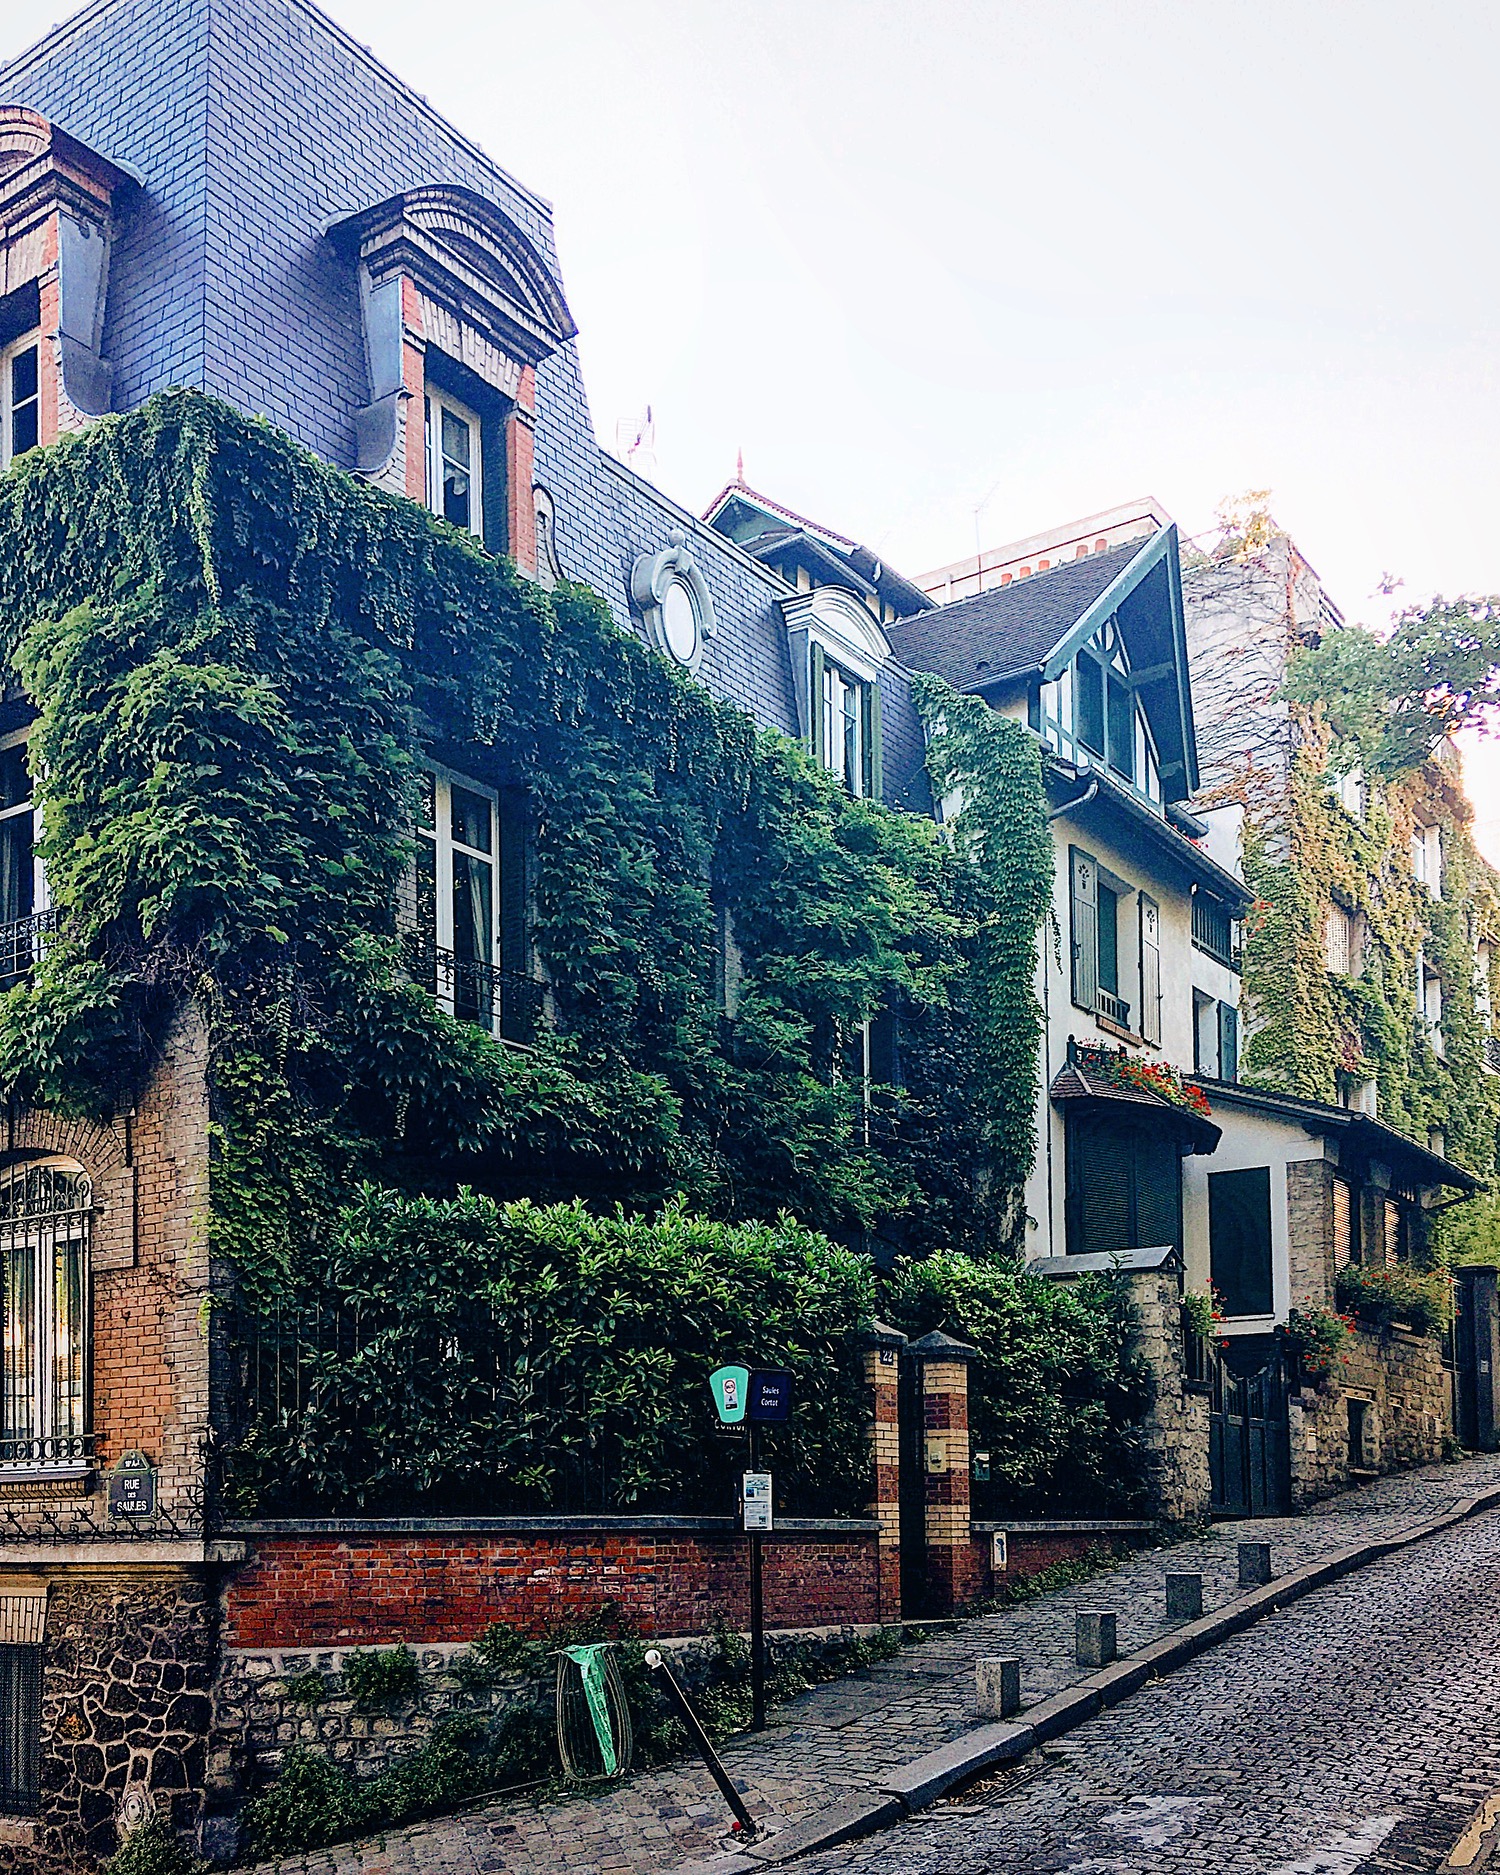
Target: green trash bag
594,1734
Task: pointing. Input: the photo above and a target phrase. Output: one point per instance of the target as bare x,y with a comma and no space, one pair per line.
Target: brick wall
352,1589
1030,1551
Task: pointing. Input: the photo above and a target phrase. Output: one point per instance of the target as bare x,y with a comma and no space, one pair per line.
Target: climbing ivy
239,658
1320,1034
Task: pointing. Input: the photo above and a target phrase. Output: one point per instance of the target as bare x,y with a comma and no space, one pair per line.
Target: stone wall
127,1671
1399,1382
1174,1434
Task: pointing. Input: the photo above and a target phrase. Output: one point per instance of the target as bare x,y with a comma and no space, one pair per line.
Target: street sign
770,1398
756,1501
132,1487
730,1387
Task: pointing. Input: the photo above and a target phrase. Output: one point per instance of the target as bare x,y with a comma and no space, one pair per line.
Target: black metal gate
1249,1439
913,1430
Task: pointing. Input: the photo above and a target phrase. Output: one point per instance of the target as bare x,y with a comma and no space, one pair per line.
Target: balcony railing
22,943
76,1449
505,1002
1113,1008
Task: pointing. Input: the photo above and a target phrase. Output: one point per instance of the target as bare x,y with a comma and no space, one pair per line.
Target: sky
950,271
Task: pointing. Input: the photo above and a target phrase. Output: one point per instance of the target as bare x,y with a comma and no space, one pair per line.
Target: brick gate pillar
883,1377
951,1572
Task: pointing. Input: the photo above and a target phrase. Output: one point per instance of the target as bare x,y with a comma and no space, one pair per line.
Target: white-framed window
846,727
23,883
20,398
457,895
46,1212
1430,1004
1427,858
454,470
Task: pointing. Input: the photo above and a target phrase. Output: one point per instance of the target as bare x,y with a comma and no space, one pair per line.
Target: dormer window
20,399
454,468
846,739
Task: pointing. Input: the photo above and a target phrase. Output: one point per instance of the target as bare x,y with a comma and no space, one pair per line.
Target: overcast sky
921,258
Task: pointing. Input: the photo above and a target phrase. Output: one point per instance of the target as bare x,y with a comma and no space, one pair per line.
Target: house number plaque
132,1487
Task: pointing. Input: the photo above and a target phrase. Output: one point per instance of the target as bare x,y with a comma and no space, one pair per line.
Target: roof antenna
739,469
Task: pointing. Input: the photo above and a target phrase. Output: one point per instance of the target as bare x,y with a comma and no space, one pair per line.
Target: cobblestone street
1353,1708
1356,1730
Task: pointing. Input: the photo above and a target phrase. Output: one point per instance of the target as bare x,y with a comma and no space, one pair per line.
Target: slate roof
1009,629
254,125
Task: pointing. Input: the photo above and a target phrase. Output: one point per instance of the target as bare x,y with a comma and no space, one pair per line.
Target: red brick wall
326,1591
1028,1553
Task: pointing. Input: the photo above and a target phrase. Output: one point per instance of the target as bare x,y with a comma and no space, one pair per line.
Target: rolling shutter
1150,970
1085,900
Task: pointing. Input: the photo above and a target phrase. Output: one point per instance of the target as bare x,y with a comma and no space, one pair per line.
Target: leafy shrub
1395,1292
1319,1338
514,1356
381,1676
1055,1394
153,1850
315,1802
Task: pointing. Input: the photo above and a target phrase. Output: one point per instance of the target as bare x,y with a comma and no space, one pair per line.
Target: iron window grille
46,1215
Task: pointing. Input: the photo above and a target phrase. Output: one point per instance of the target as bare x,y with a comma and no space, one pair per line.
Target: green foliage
1055,1393
1201,1311
1417,1299
992,766
381,1676
1318,1034
153,1849
513,1355
1319,1338
306,1689
239,658
1391,699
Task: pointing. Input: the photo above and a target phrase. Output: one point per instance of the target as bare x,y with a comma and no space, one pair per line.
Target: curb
913,1786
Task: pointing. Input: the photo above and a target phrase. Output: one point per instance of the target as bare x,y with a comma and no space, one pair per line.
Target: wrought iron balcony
22,943
505,1002
1113,1008
75,1450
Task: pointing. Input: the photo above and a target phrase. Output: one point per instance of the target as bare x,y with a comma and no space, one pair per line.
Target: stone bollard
999,1685
1094,1637
1255,1565
1184,1597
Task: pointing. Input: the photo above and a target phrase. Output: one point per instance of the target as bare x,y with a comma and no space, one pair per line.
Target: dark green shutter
1229,1042
817,728
874,776
1085,900
1158,1191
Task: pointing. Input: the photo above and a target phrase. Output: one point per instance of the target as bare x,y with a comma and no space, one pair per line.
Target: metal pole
757,1617
699,1737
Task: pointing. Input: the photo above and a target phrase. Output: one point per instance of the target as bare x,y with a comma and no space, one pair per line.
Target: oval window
679,618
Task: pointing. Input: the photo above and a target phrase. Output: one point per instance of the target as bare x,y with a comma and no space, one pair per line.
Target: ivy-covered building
1241,945
406,805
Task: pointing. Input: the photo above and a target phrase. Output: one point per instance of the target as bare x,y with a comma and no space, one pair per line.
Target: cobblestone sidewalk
836,1741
